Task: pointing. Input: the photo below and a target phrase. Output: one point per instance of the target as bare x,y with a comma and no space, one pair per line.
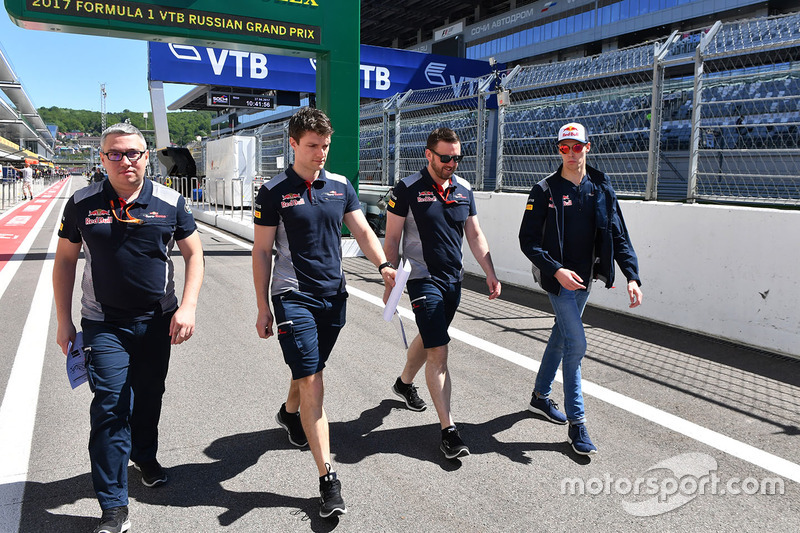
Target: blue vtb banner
384,71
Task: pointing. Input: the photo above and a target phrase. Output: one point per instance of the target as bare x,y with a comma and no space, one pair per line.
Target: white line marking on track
18,409
721,442
8,271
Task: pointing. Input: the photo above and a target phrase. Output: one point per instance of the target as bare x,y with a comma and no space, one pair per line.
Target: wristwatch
384,265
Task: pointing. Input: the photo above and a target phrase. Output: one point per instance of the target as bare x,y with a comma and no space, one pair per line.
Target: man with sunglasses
127,226
432,210
573,231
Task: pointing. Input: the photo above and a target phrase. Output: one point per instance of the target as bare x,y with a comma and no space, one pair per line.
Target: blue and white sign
384,71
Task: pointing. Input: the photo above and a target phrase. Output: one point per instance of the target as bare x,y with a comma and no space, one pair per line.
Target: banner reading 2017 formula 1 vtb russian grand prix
384,71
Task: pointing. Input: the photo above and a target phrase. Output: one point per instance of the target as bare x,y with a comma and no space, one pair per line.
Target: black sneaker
409,395
291,423
152,473
452,445
114,520
330,495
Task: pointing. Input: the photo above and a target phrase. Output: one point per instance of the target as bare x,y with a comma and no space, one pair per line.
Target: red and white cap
573,131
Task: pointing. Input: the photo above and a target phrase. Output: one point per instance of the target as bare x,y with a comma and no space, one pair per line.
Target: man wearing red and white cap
573,232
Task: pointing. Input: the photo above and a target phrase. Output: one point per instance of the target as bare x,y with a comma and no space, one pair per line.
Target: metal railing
728,133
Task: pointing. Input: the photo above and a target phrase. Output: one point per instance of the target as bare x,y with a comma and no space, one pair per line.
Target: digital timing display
253,101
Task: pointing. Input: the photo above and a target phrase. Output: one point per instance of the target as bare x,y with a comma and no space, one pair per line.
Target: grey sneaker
291,423
452,446
114,520
408,392
330,495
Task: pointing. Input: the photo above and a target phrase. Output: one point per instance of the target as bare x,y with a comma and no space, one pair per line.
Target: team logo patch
567,201
529,207
98,213
293,202
97,220
290,196
459,196
551,204
334,194
426,196
154,214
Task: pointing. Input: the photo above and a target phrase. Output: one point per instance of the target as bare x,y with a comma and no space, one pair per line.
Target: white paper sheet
397,292
76,363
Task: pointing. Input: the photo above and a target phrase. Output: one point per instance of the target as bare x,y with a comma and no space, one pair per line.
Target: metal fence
746,114
710,115
611,94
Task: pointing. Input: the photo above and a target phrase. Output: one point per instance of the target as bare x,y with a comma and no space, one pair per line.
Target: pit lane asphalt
232,469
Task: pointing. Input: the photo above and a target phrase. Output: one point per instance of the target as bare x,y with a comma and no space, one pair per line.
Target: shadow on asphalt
357,439
201,484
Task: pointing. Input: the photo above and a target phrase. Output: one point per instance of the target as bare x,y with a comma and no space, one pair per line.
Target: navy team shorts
434,303
308,327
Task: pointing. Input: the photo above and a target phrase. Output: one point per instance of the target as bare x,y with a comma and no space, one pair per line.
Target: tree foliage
184,126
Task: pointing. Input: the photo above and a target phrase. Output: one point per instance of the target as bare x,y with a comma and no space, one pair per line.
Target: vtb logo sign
258,62
434,73
382,80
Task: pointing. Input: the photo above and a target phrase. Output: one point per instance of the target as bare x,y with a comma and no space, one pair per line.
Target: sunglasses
126,211
132,155
447,158
577,148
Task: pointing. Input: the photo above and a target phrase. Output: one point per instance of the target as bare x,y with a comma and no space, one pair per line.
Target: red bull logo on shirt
293,202
426,196
97,220
99,213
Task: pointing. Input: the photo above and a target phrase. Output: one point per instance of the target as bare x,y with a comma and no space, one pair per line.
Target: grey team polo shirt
308,239
434,225
128,274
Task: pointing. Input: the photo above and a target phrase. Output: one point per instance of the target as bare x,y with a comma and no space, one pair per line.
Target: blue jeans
127,367
568,344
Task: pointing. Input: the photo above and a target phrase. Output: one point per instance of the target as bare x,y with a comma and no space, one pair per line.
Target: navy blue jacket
541,237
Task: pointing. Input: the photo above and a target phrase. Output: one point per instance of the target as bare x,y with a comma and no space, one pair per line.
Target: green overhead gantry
328,30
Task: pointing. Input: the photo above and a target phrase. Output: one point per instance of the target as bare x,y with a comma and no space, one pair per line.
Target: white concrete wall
729,272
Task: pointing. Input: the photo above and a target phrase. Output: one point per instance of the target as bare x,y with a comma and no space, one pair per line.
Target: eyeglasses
132,155
447,158
564,148
126,210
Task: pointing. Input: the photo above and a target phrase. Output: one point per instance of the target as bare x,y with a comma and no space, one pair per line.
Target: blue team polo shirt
434,225
308,238
128,274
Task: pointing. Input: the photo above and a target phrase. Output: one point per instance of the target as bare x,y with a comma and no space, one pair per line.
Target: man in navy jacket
573,231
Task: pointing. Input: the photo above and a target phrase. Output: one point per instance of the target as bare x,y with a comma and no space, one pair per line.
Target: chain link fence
610,94
747,113
708,115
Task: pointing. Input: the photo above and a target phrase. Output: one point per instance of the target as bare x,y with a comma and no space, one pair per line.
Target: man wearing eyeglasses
432,210
573,231
127,226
